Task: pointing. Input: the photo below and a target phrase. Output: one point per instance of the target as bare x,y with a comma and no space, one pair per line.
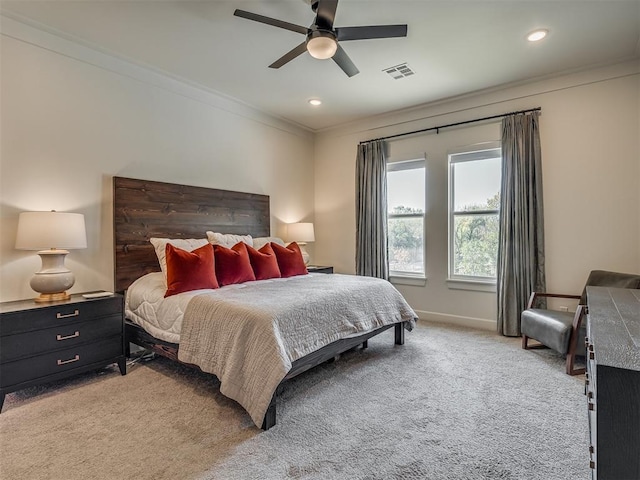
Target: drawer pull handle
71,360
67,315
60,337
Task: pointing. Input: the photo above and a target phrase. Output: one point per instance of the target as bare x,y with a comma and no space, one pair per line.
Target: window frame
470,153
410,163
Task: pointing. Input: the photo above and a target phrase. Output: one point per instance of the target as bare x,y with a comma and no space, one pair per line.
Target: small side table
43,342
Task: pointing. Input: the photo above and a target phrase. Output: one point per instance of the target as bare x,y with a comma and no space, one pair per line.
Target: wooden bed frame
145,209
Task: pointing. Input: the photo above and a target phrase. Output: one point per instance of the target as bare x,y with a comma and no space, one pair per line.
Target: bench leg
570,365
399,330
571,357
526,346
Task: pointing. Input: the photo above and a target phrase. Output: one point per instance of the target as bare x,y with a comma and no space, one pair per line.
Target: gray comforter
249,336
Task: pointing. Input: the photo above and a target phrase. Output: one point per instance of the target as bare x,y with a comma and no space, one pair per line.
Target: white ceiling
455,47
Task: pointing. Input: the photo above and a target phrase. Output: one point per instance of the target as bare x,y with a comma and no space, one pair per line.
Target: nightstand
42,342
319,269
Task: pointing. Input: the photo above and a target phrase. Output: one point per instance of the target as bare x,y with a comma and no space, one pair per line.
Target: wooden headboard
143,209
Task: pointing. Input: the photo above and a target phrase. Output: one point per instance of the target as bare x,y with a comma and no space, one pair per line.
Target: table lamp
301,233
52,233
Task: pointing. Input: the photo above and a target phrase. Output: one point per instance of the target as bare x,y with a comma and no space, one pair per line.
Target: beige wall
591,168
73,118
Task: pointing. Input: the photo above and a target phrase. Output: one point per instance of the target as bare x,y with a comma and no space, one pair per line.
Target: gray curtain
371,210
521,238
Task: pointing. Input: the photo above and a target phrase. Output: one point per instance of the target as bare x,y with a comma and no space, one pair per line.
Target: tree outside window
474,212
406,200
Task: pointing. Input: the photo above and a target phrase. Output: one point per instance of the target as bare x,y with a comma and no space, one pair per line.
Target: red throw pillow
188,271
264,262
290,260
232,264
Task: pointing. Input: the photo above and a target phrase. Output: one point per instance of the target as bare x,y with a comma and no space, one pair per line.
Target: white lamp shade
301,232
322,47
46,230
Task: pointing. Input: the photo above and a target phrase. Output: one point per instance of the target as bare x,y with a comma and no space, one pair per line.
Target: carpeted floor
449,404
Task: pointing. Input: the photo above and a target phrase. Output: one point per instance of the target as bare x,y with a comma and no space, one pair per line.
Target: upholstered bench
565,331
550,327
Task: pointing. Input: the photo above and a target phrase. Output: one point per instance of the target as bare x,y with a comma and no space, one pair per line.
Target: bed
146,209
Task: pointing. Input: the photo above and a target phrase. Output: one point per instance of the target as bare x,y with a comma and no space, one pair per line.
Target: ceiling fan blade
371,31
290,55
326,13
271,21
345,63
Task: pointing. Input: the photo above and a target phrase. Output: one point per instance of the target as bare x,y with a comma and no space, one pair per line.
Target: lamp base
303,251
52,297
54,279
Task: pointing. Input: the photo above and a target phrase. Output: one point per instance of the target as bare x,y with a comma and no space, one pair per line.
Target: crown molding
38,35
454,109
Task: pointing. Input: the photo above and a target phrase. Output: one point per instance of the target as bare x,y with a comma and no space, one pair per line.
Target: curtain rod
437,129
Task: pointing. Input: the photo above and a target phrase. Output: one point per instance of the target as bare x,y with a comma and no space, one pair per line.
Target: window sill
474,285
408,280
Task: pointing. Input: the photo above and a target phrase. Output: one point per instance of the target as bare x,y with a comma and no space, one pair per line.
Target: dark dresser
613,382
42,342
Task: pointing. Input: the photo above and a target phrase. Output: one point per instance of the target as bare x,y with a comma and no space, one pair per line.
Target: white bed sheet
146,306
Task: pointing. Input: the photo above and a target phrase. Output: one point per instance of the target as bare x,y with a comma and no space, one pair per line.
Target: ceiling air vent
399,71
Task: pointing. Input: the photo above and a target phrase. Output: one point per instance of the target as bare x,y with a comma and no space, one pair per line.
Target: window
405,201
474,211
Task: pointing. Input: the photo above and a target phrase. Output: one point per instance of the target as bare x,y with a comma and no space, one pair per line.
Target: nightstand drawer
62,313
13,373
14,347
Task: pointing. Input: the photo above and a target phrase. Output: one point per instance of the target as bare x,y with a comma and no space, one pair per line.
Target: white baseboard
470,322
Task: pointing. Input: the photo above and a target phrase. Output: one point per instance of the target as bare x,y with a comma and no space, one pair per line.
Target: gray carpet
449,404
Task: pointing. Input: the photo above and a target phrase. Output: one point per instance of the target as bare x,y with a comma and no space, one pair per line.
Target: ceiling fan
322,37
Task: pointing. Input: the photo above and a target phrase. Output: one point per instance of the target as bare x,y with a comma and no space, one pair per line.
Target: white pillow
228,240
260,242
188,244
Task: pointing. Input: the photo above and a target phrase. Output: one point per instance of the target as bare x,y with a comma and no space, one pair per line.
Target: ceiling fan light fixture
322,45
537,35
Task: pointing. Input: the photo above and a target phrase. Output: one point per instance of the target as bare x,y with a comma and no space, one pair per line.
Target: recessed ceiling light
537,35
315,102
